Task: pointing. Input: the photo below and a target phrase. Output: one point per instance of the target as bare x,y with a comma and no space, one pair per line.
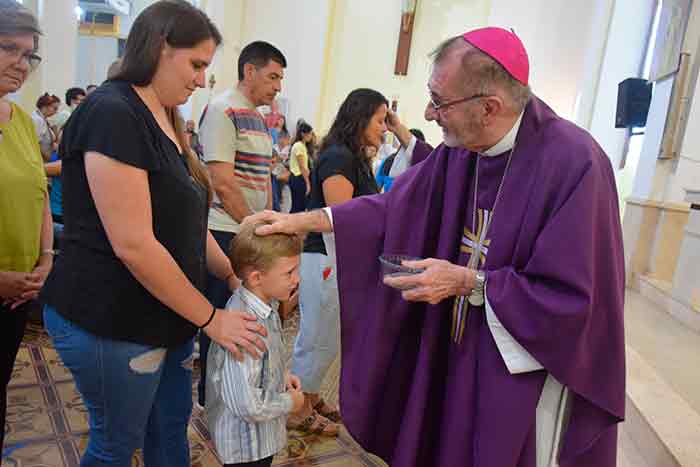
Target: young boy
248,402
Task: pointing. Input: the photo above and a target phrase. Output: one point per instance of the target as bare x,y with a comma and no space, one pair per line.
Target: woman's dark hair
303,128
16,19
353,118
173,22
417,133
47,100
74,93
113,69
179,25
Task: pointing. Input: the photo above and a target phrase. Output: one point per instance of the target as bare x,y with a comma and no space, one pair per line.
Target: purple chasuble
555,280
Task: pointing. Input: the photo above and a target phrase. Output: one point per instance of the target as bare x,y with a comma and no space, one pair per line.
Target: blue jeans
137,396
276,193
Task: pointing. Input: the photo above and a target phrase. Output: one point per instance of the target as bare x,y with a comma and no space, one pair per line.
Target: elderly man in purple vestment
508,349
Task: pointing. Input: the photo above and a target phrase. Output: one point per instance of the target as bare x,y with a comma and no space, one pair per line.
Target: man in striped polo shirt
238,151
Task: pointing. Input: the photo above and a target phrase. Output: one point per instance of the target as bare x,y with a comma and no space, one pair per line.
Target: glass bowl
392,266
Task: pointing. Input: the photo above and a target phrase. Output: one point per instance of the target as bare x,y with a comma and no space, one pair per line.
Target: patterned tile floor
47,422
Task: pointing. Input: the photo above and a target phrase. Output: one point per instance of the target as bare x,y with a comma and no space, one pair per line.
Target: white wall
26,97
565,43
363,43
624,56
228,16
336,46
665,180
298,29
59,45
656,122
95,55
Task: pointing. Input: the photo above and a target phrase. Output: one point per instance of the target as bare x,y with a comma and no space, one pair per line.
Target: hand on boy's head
274,222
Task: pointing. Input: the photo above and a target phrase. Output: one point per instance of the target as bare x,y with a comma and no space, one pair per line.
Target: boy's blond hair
251,252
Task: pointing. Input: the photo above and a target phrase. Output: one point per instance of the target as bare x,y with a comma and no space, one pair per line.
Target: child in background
248,401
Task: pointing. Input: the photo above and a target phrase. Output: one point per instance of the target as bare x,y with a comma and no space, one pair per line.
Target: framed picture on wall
673,20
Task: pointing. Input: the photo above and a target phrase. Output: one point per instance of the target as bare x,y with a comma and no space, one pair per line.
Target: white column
298,29
26,97
624,54
59,45
228,16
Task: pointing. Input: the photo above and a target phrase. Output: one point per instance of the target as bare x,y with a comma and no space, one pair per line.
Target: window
635,137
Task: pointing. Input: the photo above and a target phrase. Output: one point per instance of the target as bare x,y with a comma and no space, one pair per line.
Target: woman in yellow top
26,230
299,182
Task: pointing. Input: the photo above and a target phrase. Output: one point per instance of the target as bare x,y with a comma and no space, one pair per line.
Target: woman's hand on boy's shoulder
237,331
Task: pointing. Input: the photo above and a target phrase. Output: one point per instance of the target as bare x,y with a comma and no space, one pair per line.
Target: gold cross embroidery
477,247
475,244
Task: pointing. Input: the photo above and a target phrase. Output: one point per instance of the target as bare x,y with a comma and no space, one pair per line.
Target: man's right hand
292,224
234,330
276,222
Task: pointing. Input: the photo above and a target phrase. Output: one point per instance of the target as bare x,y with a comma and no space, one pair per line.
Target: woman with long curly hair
342,173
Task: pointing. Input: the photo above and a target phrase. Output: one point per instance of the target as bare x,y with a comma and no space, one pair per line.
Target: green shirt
22,193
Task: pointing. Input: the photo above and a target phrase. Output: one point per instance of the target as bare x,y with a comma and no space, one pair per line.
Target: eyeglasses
444,105
32,59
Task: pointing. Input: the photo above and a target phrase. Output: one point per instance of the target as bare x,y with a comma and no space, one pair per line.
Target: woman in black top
123,302
343,172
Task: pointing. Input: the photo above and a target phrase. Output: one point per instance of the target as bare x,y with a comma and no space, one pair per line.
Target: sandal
315,424
332,415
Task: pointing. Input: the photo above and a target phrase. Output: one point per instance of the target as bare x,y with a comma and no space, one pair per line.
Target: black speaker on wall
633,99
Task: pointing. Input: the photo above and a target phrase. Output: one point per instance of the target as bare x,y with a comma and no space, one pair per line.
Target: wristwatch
476,298
479,280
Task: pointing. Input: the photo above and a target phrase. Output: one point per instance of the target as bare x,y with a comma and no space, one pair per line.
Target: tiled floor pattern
47,422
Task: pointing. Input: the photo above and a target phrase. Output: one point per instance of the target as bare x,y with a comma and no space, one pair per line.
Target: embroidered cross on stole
475,245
